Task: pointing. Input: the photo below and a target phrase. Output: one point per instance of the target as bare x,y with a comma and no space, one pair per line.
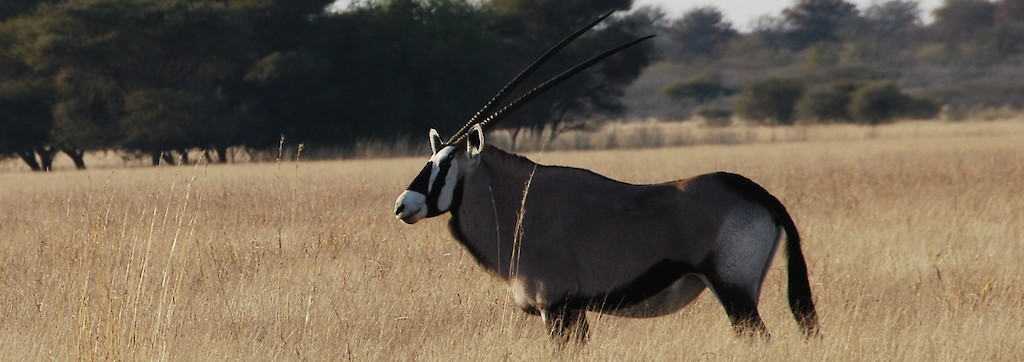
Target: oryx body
569,240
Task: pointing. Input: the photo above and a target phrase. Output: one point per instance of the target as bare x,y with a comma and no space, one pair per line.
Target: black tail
800,300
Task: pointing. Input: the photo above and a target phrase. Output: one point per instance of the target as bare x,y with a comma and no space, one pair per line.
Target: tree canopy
159,76
156,78
700,32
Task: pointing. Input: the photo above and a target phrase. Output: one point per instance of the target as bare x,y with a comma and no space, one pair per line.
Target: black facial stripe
422,181
435,189
456,198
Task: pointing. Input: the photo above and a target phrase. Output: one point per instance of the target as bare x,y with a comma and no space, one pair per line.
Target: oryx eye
448,160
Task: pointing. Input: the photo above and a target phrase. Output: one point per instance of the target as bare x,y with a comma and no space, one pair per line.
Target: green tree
699,32
962,20
530,27
25,95
1008,32
769,100
276,52
25,123
714,116
828,103
1009,10
813,21
288,88
157,120
699,89
888,29
877,102
771,31
85,120
893,17
1008,38
824,105
395,67
379,70
102,51
13,8
279,25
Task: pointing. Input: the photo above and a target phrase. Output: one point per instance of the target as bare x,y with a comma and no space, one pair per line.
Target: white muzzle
411,206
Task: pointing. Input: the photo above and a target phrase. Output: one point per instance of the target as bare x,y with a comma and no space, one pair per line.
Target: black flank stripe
648,284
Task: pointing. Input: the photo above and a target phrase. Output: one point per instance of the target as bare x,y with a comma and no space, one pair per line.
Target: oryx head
435,189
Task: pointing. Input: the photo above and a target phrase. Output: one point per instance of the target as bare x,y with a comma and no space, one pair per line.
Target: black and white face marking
432,192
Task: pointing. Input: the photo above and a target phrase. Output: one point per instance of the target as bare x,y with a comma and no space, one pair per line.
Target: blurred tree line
160,77
828,60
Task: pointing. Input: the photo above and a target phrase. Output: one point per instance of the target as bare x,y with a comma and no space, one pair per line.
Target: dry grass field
913,233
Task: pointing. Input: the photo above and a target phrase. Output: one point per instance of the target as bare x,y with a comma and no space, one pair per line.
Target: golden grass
914,244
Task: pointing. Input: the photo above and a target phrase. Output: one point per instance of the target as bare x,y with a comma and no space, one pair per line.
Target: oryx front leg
566,325
551,301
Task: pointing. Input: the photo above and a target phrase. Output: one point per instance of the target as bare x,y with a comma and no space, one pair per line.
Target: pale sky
743,12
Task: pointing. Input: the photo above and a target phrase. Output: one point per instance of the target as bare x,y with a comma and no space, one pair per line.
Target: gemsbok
568,240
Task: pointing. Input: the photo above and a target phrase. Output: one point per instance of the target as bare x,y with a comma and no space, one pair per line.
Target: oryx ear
435,141
475,140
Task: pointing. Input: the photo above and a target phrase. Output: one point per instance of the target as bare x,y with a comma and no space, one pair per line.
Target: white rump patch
747,241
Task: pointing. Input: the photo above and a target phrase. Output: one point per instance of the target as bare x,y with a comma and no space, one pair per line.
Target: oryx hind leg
566,325
743,252
741,308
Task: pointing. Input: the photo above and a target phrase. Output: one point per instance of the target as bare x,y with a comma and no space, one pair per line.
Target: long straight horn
500,96
544,87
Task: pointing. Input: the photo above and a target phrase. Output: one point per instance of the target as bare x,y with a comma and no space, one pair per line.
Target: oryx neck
507,166
486,217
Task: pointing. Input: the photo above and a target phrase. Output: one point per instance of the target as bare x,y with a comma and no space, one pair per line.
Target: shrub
821,55
879,102
921,108
769,100
715,116
698,89
845,88
824,105
828,104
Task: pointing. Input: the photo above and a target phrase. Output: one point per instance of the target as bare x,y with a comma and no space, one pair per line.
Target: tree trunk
77,156
168,158
156,157
555,131
46,157
222,154
515,138
30,159
184,156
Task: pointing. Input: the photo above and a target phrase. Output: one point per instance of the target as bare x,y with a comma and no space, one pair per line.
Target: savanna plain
913,234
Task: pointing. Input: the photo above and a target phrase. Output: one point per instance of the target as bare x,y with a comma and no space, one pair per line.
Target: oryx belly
669,300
